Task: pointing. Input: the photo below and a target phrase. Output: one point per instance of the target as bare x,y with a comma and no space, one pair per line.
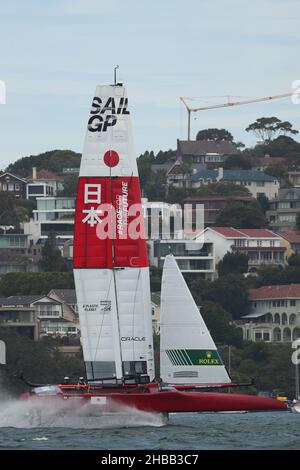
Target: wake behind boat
112,283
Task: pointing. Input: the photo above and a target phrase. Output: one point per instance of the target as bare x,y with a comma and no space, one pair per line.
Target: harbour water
209,431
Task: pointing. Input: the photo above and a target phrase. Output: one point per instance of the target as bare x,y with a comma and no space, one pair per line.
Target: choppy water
22,429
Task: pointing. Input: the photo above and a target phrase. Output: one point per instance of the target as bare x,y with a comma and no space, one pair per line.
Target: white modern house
43,183
275,314
262,246
192,256
53,214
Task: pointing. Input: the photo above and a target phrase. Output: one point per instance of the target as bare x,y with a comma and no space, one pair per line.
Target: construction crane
225,105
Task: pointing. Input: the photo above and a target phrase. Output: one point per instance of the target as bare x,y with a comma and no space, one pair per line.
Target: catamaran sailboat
113,293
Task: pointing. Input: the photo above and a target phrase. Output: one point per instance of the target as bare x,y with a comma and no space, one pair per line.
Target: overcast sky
54,53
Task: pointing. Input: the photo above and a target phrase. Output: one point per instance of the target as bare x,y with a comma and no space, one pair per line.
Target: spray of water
31,414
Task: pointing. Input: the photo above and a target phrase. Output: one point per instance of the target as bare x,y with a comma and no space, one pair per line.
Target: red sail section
109,228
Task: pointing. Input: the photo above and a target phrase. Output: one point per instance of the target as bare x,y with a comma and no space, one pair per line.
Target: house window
258,336
293,303
11,187
239,242
284,205
260,183
266,336
17,187
48,311
4,187
259,242
287,218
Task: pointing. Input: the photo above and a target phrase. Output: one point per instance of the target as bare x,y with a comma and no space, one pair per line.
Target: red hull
151,399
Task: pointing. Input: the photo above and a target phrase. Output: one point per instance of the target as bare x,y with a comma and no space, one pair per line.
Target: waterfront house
274,315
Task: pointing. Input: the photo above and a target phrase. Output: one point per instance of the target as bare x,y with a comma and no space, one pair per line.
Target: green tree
236,162
215,135
70,186
233,263
269,275
177,195
156,185
270,365
155,279
14,210
8,214
263,202
232,293
279,170
165,156
238,216
291,275
144,163
39,283
294,260
223,189
54,160
219,323
52,260
267,129
39,361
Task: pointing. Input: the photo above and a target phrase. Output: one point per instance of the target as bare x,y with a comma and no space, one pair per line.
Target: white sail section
188,354
109,127
115,319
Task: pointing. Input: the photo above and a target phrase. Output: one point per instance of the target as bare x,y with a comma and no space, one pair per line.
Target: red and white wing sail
110,255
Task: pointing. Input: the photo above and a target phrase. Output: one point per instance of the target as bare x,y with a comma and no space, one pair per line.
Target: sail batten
188,353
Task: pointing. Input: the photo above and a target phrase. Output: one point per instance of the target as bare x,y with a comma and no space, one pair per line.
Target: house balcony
262,255
277,333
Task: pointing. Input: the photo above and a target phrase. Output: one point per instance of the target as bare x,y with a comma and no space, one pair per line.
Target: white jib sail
188,354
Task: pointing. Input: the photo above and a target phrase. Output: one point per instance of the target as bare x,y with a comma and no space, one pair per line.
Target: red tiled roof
218,198
46,175
258,233
291,236
245,232
275,292
228,232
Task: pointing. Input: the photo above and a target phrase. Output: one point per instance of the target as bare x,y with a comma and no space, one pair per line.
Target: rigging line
101,326
113,270
134,309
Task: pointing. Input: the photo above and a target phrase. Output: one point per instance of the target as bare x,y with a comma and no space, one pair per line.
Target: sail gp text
105,115
131,461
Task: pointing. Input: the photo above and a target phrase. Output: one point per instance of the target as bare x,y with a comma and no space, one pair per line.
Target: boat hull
160,401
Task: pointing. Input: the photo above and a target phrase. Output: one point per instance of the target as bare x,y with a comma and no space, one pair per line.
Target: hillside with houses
242,263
